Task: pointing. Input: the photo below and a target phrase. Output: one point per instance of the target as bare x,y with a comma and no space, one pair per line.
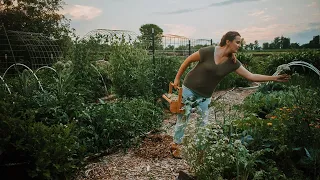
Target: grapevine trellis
31,49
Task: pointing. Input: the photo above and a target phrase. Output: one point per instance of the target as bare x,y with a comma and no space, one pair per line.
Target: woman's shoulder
208,48
207,51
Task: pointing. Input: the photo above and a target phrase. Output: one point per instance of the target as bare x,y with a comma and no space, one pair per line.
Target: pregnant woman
213,64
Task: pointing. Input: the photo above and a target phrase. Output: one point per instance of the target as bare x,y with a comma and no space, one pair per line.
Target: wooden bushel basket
174,101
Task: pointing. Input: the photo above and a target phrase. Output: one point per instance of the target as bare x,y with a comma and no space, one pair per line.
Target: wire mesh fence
31,49
164,44
36,50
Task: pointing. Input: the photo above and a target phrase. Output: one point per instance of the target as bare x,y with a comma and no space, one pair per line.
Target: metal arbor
168,44
31,49
181,45
111,35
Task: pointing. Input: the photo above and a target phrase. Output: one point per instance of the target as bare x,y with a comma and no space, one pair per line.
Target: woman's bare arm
192,58
259,77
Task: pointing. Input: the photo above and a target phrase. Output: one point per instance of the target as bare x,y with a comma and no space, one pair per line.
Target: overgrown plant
130,71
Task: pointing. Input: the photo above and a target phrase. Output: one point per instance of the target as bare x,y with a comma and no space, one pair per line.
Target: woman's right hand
176,83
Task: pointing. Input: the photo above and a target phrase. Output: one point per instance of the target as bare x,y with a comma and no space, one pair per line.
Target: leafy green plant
232,80
117,124
289,131
165,70
51,151
214,153
265,101
309,56
244,58
130,71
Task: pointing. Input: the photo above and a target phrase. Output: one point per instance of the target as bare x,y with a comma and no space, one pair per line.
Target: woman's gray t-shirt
206,75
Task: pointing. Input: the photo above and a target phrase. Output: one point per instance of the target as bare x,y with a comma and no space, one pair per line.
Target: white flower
237,143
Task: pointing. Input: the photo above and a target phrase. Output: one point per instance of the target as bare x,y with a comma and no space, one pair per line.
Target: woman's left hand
234,57
282,78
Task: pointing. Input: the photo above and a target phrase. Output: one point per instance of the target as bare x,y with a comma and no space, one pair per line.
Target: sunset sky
260,20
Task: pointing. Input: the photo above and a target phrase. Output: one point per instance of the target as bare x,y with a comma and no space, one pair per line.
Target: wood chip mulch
152,160
155,146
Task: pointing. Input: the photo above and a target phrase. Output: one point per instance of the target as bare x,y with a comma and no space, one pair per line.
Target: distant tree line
282,43
279,42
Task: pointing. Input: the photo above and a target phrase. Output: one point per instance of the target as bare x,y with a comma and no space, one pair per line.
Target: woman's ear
227,42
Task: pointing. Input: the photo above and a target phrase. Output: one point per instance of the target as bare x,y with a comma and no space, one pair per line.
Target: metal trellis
32,49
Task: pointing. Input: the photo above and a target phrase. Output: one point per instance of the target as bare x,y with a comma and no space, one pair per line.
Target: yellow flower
269,124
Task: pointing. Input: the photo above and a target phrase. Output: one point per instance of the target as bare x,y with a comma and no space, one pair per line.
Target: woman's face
235,44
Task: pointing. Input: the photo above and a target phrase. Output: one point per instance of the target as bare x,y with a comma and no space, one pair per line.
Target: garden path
152,160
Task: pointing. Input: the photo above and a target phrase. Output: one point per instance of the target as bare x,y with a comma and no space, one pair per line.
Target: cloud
313,4
314,25
317,14
82,12
181,11
267,18
223,3
115,27
179,29
256,13
262,15
228,2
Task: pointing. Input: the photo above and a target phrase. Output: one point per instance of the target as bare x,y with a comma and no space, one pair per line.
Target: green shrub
289,130
214,152
232,80
84,79
258,65
104,126
264,101
166,68
52,152
290,138
245,58
130,71
309,56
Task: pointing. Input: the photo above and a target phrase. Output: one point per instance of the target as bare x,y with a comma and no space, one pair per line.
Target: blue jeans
182,119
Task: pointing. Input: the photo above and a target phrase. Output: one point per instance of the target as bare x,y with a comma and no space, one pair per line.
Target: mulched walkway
152,159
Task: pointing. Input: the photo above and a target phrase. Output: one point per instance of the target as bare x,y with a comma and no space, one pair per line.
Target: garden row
51,134
274,134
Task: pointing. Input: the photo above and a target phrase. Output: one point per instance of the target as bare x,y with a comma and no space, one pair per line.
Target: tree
277,43
265,45
170,47
285,42
272,45
36,16
249,46
315,42
256,45
242,44
146,36
294,45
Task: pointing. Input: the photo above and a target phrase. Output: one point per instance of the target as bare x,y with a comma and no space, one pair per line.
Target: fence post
189,47
153,48
211,42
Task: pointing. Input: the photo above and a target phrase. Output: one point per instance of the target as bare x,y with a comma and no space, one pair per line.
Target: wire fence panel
32,49
167,44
